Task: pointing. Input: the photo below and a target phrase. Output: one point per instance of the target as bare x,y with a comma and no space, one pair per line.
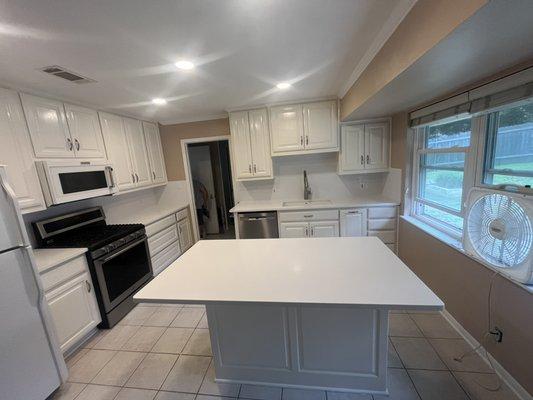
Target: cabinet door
118,152
320,125
352,154
139,154
48,127
155,152
293,230
17,154
286,128
74,310
85,132
324,228
185,234
377,140
240,139
260,143
353,222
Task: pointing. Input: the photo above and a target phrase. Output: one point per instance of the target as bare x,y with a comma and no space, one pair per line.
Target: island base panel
328,347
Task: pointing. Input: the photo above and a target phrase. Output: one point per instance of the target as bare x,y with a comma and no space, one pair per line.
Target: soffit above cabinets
241,49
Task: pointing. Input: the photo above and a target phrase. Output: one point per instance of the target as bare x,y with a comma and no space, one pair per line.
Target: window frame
469,173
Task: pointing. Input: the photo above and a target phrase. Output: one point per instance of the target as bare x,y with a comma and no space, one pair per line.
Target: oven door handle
122,250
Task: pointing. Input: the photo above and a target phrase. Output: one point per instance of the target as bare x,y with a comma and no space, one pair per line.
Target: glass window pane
443,160
450,134
514,139
497,179
441,216
442,187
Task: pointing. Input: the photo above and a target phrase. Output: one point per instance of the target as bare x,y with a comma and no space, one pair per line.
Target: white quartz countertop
147,215
277,205
358,271
49,258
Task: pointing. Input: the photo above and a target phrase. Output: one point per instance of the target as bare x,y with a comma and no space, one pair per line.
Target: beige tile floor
162,352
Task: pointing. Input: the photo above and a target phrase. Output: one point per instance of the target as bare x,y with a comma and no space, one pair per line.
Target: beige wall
428,22
171,136
463,285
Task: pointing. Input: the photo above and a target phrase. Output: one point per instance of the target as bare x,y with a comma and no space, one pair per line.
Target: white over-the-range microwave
65,181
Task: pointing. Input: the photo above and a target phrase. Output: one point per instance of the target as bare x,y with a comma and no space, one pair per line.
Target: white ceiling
242,48
498,36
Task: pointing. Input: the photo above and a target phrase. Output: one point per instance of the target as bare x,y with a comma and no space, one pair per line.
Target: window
442,154
509,148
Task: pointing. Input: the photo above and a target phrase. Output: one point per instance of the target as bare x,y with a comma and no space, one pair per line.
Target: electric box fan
498,230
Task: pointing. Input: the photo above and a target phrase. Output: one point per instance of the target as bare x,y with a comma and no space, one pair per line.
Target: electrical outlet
497,334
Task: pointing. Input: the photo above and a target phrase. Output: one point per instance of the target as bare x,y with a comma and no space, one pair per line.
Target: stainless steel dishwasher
258,225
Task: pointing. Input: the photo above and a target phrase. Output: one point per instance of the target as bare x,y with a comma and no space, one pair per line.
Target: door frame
188,174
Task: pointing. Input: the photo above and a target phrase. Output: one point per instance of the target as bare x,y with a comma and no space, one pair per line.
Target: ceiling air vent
62,73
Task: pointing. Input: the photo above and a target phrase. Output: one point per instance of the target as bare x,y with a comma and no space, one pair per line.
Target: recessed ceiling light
185,65
283,85
159,101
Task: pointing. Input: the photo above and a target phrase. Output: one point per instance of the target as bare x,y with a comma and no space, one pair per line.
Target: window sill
456,245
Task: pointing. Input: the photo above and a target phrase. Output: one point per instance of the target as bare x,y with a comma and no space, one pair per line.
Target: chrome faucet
307,188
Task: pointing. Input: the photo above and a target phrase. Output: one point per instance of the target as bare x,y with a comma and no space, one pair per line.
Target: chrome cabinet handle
306,140
362,159
367,159
308,216
153,174
306,231
255,169
111,179
133,178
250,168
353,212
88,286
301,140
77,144
137,177
312,231
69,144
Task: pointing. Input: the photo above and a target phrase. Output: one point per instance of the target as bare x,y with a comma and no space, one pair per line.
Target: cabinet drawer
182,214
382,212
160,225
382,224
162,239
165,257
388,237
64,272
316,215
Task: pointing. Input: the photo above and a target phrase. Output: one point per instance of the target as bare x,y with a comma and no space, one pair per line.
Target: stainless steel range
118,256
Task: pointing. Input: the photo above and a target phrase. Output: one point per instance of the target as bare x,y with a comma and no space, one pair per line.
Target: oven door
123,271
63,182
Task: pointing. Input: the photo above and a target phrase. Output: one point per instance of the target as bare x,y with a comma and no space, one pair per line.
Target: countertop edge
334,205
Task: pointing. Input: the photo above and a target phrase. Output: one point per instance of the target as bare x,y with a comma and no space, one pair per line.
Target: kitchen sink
305,203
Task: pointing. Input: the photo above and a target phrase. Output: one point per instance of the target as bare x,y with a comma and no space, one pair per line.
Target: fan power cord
484,339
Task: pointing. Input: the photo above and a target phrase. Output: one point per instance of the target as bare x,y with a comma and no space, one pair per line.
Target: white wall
323,179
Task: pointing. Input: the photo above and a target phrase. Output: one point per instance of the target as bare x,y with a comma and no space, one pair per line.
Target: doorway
210,181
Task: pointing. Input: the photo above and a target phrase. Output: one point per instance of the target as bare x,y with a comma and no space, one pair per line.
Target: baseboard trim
498,368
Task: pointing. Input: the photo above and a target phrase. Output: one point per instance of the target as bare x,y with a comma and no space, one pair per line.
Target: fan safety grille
500,230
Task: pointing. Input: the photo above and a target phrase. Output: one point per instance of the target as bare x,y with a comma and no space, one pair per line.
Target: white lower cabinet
293,229
301,224
168,238
324,229
382,223
70,296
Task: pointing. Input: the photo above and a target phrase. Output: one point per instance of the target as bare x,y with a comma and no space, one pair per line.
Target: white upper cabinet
352,154
155,152
377,141
287,130
251,144
138,151
364,148
304,128
16,153
242,150
321,125
48,127
85,132
118,150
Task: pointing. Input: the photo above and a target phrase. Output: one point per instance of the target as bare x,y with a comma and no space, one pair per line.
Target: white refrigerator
31,364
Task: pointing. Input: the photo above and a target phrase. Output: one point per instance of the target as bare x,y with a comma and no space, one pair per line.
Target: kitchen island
310,313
